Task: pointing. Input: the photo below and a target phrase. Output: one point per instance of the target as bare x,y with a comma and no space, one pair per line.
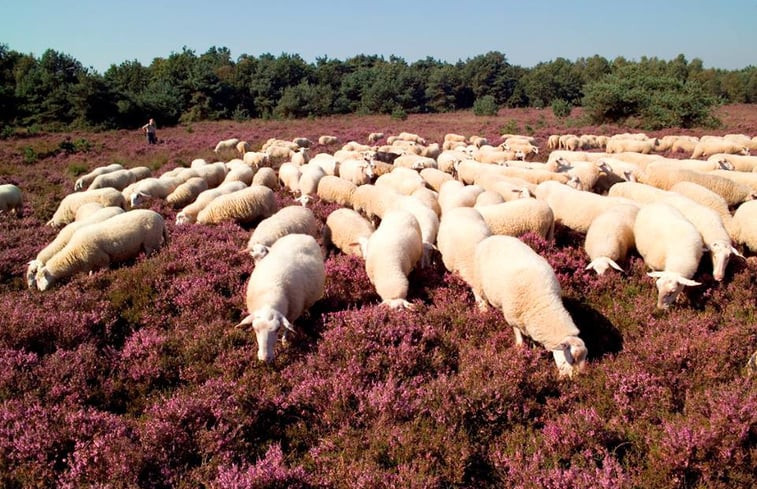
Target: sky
100,33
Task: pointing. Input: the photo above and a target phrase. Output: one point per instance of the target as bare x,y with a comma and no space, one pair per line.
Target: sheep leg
518,336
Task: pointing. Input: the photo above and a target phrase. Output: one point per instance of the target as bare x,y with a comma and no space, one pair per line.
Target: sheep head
570,356
138,198
31,272
44,279
267,322
601,264
669,285
258,251
721,252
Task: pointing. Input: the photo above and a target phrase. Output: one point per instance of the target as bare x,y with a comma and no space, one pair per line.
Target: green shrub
76,169
30,155
511,127
485,105
399,114
561,108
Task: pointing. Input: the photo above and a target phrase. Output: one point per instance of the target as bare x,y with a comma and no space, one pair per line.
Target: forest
56,92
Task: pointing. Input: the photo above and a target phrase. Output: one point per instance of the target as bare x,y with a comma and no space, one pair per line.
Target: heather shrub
485,105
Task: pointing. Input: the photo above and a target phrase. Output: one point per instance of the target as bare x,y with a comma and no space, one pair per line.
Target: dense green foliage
56,91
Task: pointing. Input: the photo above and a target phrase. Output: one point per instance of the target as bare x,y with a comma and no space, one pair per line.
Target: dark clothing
149,130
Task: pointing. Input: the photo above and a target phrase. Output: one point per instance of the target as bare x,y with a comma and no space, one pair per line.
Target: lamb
514,278
267,177
293,219
519,217
460,230
610,237
671,246
709,147
11,199
357,172
336,190
226,144
288,281
573,208
189,213
348,231
744,226
326,140
187,192
66,211
86,180
62,239
391,253
243,206
97,245
714,234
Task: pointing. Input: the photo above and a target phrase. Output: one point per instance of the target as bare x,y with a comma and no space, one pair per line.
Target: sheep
311,175
150,188
457,138
671,246
447,160
575,209
241,173
709,147
584,174
246,205
374,137
348,231
553,141
289,177
508,188
336,190
116,239
402,180
381,168
66,211
282,286
62,239
278,154
429,198
86,180
520,146
409,136
327,140
460,230
684,144
293,219
11,199
327,162
300,157
515,279
242,147
434,177
226,144
738,162
519,217
744,225
610,237
356,171
622,170
706,197
256,159
488,197
455,194
391,253
187,192
302,142
415,162
118,180
189,213
428,223
745,178
86,210
213,173
709,224
267,177
640,193
620,145
374,201
665,177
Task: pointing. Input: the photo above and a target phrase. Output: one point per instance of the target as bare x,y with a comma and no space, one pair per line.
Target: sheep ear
287,324
655,274
736,252
687,281
247,321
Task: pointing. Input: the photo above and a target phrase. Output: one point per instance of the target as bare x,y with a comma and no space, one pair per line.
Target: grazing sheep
66,211
518,217
150,188
356,171
641,193
327,162
409,136
242,147
684,144
240,173
706,197
326,140
573,208
311,175
256,159
664,177
402,180
428,222
293,219
86,210
300,157
62,239
118,180
278,154
187,192
391,253
456,194
460,230
243,206
86,180
620,145
213,173
738,162
429,198
744,225
744,178
336,190
415,162
515,279
434,177
11,199
610,237
707,147
289,177
226,144
189,213
116,239
553,141
671,246
374,201
282,286
302,142
374,137
348,231
267,177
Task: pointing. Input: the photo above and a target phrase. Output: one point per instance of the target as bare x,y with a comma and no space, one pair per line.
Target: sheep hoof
399,304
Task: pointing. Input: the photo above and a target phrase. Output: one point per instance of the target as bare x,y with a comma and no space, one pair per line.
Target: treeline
57,91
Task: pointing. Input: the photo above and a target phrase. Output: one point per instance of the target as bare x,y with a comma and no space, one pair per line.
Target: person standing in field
149,130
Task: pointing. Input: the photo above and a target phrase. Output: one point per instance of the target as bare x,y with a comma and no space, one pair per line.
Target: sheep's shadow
599,334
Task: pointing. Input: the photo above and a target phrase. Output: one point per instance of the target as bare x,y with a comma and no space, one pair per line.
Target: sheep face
138,198
669,285
44,279
570,356
267,323
721,253
258,252
31,272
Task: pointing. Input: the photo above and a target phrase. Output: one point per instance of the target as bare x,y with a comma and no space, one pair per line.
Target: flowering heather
135,376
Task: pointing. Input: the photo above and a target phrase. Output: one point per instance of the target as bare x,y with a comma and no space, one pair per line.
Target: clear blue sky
99,33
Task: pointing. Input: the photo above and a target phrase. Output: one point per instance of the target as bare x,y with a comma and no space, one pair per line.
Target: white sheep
66,211
256,159
86,180
707,147
336,190
86,210
744,225
302,142
239,173
266,177
621,145
326,161
391,253
116,239
144,190
226,144
311,175
325,140
187,192
641,193
374,137
610,237
664,177
278,154
429,198
402,180
282,286
745,178
242,147
356,171
518,217
575,209
428,222
293,219
374,201
434,177
11,199
456,194
706,197
189,213
671,246
414,162
738,162
289,177
246,205
348,231
515,279
118,180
